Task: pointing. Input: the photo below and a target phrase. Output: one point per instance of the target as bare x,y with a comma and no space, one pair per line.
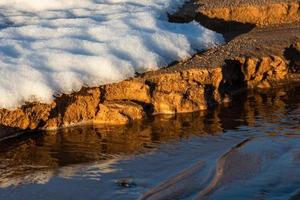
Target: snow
52,47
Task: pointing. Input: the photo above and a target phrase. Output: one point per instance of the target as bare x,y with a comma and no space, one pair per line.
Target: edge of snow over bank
55,46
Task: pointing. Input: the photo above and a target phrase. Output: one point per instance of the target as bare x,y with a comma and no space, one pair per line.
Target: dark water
248,149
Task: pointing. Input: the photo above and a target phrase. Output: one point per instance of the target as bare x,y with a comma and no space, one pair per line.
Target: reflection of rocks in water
37,157
36,177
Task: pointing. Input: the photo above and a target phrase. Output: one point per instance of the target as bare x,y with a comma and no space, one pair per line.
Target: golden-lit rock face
133,90
261,72
120,112
80,107
260,15
29,116
258,12
262,58
170,93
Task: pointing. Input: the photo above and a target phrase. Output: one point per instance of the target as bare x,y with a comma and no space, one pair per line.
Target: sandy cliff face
258,12
261,58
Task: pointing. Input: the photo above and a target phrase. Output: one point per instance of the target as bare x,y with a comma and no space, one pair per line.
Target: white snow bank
50,47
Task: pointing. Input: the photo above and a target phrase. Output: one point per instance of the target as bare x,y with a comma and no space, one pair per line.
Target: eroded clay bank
262,58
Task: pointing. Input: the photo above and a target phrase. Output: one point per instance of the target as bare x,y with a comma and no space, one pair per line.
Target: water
248,149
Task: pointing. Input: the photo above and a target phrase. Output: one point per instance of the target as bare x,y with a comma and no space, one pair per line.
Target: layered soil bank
259,54
258,12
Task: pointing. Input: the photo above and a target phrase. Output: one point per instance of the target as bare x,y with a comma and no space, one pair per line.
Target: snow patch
51,47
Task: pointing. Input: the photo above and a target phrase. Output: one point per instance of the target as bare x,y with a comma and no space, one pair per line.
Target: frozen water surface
55,46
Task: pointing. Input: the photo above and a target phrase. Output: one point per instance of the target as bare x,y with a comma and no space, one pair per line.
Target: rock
257,12
121,112
260,71
30,116
260,15
128,90
78,108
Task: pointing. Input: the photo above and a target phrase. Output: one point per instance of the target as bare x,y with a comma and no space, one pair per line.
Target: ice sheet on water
56,46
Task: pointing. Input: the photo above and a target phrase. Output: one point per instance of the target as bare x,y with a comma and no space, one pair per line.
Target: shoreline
258,56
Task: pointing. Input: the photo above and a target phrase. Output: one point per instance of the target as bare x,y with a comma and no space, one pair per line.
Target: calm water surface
248,149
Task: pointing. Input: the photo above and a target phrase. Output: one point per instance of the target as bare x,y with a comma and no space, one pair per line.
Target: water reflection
146,148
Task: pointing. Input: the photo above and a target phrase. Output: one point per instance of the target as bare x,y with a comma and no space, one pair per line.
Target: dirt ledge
263,58
258,12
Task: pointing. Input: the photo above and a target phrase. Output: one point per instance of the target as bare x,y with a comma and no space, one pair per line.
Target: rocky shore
75,147
262,52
